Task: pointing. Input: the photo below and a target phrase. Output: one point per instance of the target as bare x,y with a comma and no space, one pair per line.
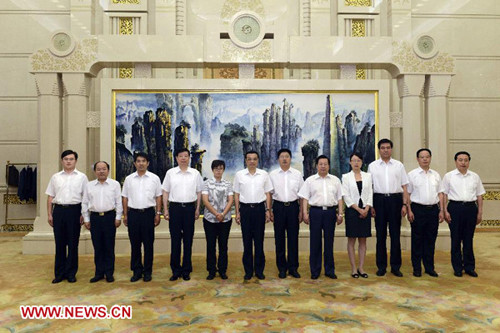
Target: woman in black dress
357,192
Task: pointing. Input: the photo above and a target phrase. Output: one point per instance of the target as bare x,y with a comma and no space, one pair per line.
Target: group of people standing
386,193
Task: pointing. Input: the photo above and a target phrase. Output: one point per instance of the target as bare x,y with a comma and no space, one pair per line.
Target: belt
251,205
104,213
388,194
182,204
464,203
324,207
67,206
425,206
286,204
141,210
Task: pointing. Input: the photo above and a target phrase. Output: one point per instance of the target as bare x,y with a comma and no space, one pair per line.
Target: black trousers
67,236
462,228
181,226
286,235
103,232
388,213
424,231
322,230
253,221
141,231
217,233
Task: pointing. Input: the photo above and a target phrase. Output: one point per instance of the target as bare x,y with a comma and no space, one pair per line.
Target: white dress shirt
102,197
461,187
319,191
182,186
141,191
252,188
67,188
350,190
286,184
424,187
388,177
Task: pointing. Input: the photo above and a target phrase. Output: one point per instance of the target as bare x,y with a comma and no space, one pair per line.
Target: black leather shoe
432,273
223,276
457,274
174,277
211,276
72,279
363,275
186,277
282,275
417,274
295,274
57,280
397,273
381,272
331,276
260,276
471,273
247,277
135,277
96,278
314,277
147,278
110,278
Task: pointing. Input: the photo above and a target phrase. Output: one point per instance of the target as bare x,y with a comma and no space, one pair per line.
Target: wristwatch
158,213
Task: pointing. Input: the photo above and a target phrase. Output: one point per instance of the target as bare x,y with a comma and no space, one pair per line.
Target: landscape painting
225,125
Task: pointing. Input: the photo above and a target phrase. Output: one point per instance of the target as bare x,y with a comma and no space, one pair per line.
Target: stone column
49,150
410,88
436,93
76,88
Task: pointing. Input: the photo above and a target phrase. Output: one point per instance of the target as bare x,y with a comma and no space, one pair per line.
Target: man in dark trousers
425,212
286,214
181,187
463,190
252,195
102,213
64,207
389,205
142,210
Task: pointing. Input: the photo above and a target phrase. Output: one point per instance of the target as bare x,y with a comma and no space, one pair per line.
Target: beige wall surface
465,29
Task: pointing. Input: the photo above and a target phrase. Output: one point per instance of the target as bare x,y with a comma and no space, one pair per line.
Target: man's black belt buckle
252,205
103,213
464,203
140,210
67,206
425,206
286,204
182,204
389,194
324,207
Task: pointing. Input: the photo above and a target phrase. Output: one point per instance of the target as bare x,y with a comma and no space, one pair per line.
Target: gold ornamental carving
126,26
489,223
127,2
408,62
13,199
360,74
491,195
358,28
16,227
232,53
231,7
358,3
126,71
80,60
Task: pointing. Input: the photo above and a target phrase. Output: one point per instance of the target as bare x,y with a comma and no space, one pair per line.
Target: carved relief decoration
489,223
93,119
360,74
358,28
492,195
232,7
348,72
358,3
80,60
127,2
406,59
126,25
232,53
396,119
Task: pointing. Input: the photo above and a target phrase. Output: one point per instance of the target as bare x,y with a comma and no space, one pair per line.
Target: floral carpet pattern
376,304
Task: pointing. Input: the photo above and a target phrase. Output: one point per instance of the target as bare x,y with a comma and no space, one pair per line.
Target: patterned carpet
376,304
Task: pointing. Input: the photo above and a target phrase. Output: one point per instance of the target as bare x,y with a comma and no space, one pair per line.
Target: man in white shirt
252,194
64,206
181,187
102,213
425,212
323,192
286,214
389,205
141,214
463,190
